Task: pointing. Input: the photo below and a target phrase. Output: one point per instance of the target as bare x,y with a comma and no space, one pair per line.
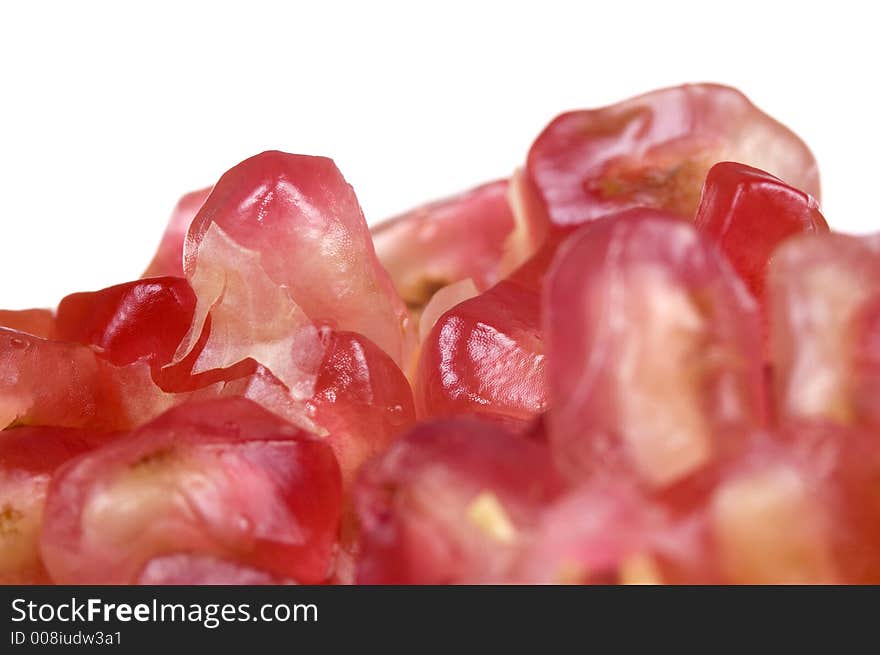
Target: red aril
771,522
843,465
653,349
168,259
136,321
451,502
486,354
65,384
801,508
38,322
290,227
442,301
819,292
653,151
28,457
658,435
596,534
224,479
866,361
748,213
446,241
793,508
362,400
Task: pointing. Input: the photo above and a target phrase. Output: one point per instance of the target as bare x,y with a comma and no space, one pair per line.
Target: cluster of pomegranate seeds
644,358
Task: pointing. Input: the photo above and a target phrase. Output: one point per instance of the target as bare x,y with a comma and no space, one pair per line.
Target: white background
109,112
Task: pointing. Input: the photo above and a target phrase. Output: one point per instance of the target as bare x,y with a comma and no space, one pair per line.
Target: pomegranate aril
665,438
442,301
844,466
748,213
797,507
486,354
38,322
866,361
224,479
446,241
451,502
653,150
243,316
771,527
794,506
294,222
136,321
65,384
168,259
819,292
28,457
653,349
362,400
590,536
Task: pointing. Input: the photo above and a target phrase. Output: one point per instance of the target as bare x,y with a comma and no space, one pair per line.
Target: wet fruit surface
642,358
623,290
137,321
362,400
28,458
748,213
294,220
426,249
485,354
654,151
224,478
820,292
450,503
38,322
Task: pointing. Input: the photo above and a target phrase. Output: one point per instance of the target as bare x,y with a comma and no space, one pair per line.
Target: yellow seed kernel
487,513
640,569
